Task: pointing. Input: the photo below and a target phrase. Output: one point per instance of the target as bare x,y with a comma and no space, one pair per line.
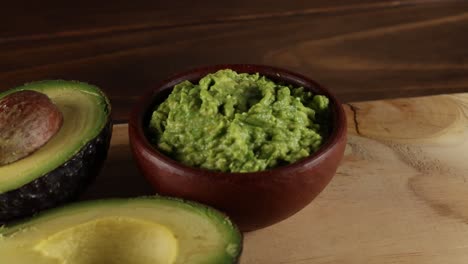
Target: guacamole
235,122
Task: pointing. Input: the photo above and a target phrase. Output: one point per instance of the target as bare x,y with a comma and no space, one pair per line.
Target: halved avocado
148,230
66,164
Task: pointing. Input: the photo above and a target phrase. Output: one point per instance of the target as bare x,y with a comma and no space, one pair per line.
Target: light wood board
400,195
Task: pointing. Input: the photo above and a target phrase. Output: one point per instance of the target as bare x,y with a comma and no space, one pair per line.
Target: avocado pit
28,120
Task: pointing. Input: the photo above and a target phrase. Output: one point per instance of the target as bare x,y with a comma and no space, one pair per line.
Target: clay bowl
252,200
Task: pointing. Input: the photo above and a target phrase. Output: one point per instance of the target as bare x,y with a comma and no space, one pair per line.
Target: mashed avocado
239,123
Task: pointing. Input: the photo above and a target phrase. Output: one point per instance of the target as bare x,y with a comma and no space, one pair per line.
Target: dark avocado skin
61,185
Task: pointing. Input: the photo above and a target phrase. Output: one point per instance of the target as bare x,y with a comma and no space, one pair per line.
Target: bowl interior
162,91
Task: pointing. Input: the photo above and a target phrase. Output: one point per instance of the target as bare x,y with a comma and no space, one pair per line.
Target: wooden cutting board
400,195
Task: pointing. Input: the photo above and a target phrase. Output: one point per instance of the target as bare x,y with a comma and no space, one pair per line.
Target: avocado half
145,230
65,165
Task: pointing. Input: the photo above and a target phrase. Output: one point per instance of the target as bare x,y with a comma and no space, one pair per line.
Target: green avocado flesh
85,112
243,122
150,230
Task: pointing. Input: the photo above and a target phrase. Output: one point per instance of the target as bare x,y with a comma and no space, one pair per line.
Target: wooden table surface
359,49
400,196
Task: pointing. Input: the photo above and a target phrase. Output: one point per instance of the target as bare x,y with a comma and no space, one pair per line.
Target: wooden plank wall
360,49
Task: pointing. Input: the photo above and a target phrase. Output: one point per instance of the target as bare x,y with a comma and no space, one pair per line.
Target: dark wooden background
359,49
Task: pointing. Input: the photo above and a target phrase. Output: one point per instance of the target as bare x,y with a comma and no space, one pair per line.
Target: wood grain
360,49
400,195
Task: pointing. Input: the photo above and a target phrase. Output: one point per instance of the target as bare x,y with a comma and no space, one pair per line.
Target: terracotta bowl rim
140,111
